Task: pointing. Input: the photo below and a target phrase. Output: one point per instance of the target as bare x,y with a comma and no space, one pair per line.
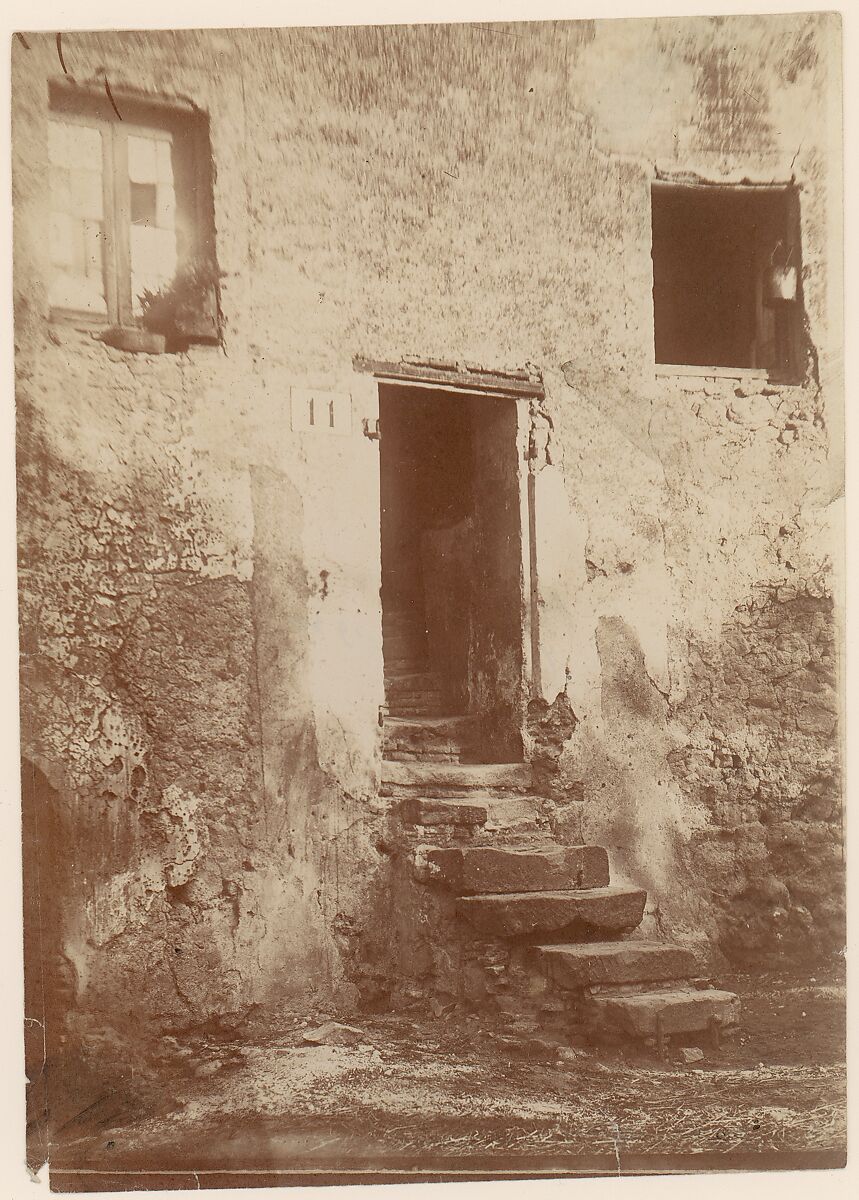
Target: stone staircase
412,690
537,930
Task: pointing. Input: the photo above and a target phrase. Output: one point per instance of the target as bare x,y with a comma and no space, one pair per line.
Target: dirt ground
451,1098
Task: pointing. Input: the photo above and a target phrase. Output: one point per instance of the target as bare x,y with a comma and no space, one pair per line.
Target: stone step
412,681
417,708
429,738
498,813
404,623
470,870
421,710
403,620
405,665
417,696
484,776
417,810
512,812
415,688
395,754
617,909
586,964
402,616
682,1010
452,725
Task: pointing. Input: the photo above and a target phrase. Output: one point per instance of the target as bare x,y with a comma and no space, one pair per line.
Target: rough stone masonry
201,640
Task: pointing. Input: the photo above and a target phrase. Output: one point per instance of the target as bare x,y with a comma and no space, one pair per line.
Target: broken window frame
118,116
787,318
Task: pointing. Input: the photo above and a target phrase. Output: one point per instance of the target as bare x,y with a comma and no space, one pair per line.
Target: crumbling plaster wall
201,643
201,669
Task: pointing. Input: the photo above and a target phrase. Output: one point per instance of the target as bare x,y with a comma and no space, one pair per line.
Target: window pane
74,292
143,203
93,250
153,252
61,190
85,193
77,213
62,240
164,154
153,259
143,159
165,216
152,234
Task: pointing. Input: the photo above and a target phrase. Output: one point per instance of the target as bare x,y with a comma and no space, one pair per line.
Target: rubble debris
332,1033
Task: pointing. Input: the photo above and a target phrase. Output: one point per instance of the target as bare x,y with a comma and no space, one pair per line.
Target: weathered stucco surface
202,665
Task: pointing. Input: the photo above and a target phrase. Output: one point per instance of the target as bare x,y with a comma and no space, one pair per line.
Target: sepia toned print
430,477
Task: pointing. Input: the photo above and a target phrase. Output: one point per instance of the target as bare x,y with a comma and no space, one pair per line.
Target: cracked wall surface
201,647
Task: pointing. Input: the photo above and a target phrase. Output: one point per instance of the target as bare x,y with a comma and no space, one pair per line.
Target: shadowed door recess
451,576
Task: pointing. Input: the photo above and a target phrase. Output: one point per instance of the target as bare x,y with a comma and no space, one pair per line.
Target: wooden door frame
525,388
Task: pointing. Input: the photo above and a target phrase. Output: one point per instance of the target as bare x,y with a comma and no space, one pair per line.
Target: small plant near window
186,309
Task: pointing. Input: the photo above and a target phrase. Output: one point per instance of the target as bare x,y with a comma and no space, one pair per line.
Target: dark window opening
726,276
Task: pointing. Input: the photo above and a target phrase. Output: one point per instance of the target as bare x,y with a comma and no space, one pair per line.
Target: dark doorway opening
452,606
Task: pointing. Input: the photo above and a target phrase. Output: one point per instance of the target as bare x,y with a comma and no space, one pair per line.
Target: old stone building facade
497,266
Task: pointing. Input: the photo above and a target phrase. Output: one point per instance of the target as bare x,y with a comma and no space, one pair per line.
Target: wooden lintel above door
522,383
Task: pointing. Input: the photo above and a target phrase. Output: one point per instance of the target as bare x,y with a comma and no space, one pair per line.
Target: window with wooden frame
131,210
727,279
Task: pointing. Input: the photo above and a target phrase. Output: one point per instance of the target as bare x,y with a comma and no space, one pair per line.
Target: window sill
83,321
751,375
133,339
713,372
